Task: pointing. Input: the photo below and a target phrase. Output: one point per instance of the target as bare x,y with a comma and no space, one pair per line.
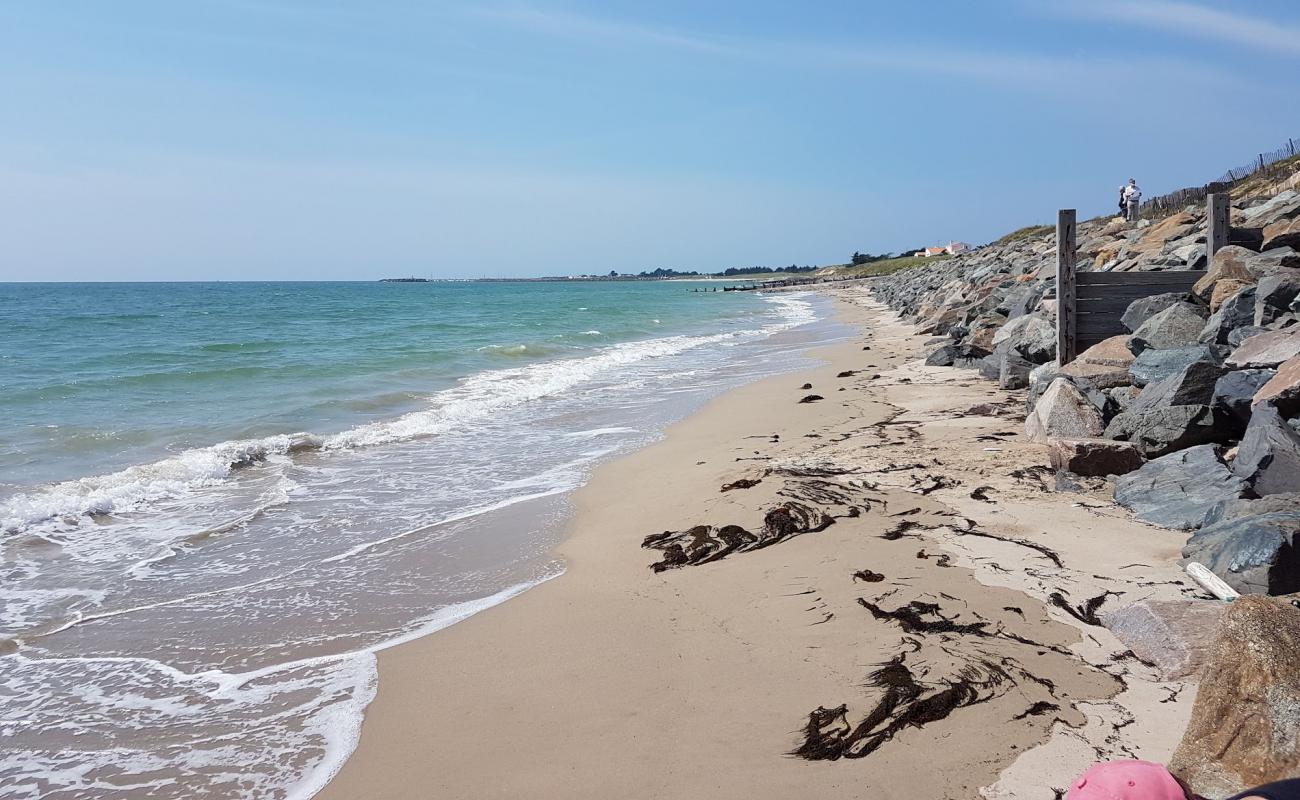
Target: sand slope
896,556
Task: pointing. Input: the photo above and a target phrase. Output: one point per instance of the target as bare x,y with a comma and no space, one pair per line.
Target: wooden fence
1264,162
1090,304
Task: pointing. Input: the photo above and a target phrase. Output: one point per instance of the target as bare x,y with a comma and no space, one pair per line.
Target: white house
954,248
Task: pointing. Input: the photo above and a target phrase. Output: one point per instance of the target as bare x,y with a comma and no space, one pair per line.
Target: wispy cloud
606,31
1007,69
1192,19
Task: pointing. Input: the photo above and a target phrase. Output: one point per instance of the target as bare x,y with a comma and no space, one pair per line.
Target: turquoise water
218,501
96,377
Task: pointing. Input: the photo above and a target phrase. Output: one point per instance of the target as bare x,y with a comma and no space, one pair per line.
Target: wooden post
1065,256
1216,212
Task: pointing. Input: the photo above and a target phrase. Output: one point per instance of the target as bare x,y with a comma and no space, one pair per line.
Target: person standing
1132,197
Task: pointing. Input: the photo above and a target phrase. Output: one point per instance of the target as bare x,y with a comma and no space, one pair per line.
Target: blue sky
286,139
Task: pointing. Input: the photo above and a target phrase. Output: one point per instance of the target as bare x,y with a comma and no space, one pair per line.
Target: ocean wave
477,397
140,486
289,727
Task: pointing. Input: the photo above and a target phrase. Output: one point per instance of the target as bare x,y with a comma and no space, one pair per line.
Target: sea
218,501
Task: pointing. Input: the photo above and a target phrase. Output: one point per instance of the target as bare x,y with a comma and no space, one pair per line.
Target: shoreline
614,679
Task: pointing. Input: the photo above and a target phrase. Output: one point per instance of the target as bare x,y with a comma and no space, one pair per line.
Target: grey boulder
1269,455
1234,392
1162,430
1156,365
1180,489
1254,555
1179,325
1142,309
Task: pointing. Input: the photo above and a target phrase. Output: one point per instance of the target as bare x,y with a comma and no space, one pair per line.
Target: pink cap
1126,780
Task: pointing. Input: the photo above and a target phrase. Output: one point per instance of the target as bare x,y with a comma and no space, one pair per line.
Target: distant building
952,249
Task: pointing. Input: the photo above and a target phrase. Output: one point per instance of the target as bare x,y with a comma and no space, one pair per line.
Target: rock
1139,311
1239,335
1240,509
1235,391
1273,297
1253,554
1177,326
956,355
1104,365
1162,430
1180,489
1192,385
1039,379
1223,290
1123,396
1282,389
1156,365
1283,233
1265,350
1245,722
1234,312
1283,205
1269,455
1031,336
1093,457
1063,412
1014,373
1230,263
1174,635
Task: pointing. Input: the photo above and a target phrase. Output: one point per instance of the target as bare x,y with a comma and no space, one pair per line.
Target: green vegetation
886,266
1028,232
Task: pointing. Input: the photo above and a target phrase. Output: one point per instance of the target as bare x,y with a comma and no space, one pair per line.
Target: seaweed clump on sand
705,543
805,509
905,701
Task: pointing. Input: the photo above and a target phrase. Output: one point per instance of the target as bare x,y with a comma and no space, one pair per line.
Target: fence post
1065,256
1291,144
1261,160
1216,212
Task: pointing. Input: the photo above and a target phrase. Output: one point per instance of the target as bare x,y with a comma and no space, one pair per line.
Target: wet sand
869,612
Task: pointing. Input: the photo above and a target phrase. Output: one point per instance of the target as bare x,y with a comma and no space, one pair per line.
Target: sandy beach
890,600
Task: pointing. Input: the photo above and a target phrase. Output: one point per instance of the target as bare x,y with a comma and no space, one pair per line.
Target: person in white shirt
1132,197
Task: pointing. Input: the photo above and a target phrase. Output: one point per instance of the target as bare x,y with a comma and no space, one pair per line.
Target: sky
333,140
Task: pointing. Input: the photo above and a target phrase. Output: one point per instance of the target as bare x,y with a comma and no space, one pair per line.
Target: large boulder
1031,336
1063,412
1173,635
1223,290
1229,263
1241,264
1253,507
1266,350
1180,489
1245,722
1235,392
1192,385
1283,233
957,355
1164,429
1269,455
1142,309
1093,457
1156,365
1177,326
1273,297
1237,311
1254,554
1282,390
1014,371
1104,365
